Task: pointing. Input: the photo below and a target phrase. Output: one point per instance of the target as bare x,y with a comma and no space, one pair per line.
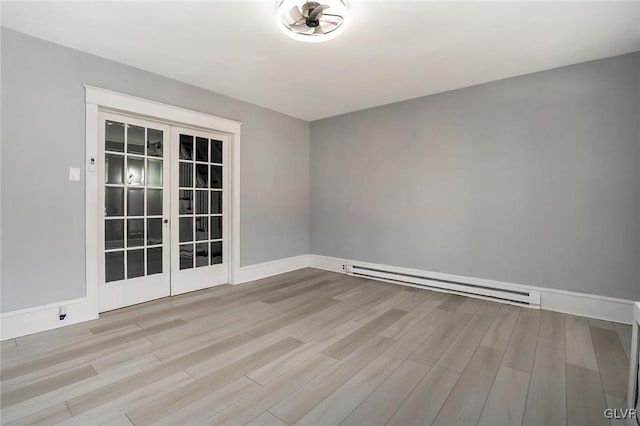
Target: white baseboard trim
42,318
275,267
588,305
569,302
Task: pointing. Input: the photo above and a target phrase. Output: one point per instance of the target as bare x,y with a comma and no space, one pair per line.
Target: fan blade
315,12
331,20
333,15
327,28
303,29
295,15
318,30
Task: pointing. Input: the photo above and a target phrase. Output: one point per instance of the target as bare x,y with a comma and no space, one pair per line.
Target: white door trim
152,109
97,98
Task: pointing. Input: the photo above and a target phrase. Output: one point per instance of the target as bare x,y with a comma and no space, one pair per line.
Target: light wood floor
313,347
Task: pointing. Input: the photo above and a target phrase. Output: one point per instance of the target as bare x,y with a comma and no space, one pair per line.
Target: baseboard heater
485,290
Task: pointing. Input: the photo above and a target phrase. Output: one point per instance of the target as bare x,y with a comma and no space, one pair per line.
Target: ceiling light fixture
312,21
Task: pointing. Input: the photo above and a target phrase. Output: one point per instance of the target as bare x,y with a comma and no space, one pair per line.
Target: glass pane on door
200,207
133,186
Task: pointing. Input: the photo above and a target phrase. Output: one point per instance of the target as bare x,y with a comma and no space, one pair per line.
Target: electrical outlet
62,313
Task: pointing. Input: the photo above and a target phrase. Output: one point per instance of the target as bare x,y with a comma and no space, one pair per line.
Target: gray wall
532,180
43,135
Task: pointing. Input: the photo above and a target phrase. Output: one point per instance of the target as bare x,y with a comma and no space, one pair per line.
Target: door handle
165,221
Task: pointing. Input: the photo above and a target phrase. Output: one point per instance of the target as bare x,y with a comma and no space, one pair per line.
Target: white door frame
102,99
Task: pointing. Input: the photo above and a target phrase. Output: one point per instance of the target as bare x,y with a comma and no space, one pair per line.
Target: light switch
74,174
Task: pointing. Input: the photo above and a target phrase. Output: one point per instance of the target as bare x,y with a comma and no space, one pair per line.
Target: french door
162,210
199,200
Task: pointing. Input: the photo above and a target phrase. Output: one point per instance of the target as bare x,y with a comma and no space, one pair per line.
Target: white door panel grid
133,235
162,200
199,206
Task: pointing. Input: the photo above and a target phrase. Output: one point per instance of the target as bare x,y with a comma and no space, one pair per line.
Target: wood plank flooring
317,348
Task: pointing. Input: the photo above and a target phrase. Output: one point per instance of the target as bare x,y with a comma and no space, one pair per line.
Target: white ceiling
390,51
